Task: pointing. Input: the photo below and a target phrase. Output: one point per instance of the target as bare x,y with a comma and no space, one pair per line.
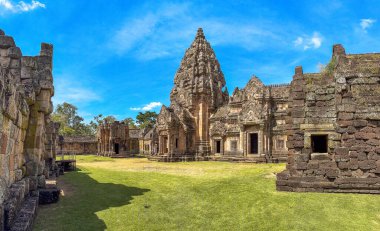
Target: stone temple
326,125
203,122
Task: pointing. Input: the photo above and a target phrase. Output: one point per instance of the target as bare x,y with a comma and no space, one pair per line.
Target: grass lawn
136,194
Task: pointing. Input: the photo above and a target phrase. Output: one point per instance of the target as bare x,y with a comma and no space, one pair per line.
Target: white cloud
21,6
298,41
366,23
307,42
71,92
168,29
148,107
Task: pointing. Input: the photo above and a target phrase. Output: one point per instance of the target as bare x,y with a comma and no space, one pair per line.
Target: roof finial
200,33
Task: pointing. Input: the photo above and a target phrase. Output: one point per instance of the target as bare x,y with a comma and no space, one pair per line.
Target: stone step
25,218
49,195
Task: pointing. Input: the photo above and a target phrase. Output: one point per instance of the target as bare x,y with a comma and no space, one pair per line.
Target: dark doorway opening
166,145
254,143
218,146
116,148
319,143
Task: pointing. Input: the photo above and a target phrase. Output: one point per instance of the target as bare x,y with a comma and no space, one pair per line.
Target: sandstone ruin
27,135
325,125
117,140
333,127
203,122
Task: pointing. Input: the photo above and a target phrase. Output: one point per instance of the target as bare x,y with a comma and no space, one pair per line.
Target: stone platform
236,159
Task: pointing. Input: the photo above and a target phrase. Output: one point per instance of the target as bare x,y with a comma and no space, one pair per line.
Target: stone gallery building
203,122
117,140
79,145
27,135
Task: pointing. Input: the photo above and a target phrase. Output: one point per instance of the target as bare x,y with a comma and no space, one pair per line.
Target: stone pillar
40,107
169,144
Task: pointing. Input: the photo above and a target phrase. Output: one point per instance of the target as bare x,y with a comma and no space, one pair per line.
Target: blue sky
120,57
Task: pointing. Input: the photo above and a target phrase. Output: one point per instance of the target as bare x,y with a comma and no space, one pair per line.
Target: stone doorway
253,143
218,146
116,148
166,144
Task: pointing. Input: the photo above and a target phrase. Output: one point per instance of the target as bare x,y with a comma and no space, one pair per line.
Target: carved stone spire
199,76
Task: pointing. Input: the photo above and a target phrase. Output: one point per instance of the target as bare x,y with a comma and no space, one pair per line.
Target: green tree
131,122
71,123
146,119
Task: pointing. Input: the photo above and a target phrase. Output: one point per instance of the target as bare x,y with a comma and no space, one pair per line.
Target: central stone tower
197,93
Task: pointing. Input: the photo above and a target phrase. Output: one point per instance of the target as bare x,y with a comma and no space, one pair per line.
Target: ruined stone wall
79,145
341,103
26,88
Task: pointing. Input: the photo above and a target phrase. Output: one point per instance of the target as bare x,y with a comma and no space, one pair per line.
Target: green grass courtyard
137,194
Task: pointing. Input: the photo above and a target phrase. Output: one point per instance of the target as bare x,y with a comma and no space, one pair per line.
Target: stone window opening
319,143
176,143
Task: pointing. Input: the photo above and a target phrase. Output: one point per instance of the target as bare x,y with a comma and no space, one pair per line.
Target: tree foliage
131,122
71,123
146,119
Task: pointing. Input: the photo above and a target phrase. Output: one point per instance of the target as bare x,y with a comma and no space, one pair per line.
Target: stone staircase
203,149
26,215
20,208
173,158
239,159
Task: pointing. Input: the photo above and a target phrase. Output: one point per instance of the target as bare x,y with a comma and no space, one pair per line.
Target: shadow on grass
83,198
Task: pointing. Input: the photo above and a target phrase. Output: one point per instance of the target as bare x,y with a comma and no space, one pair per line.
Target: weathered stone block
362,156
332,173
33,183
367,164
351,130
41,181
298,144
301,165
345,123
14,52
320,156
31,168
353,164
341,151
373,142
353,154
313,164
48,196
360,123
343,165
345,116
327,164
364,135
6,42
